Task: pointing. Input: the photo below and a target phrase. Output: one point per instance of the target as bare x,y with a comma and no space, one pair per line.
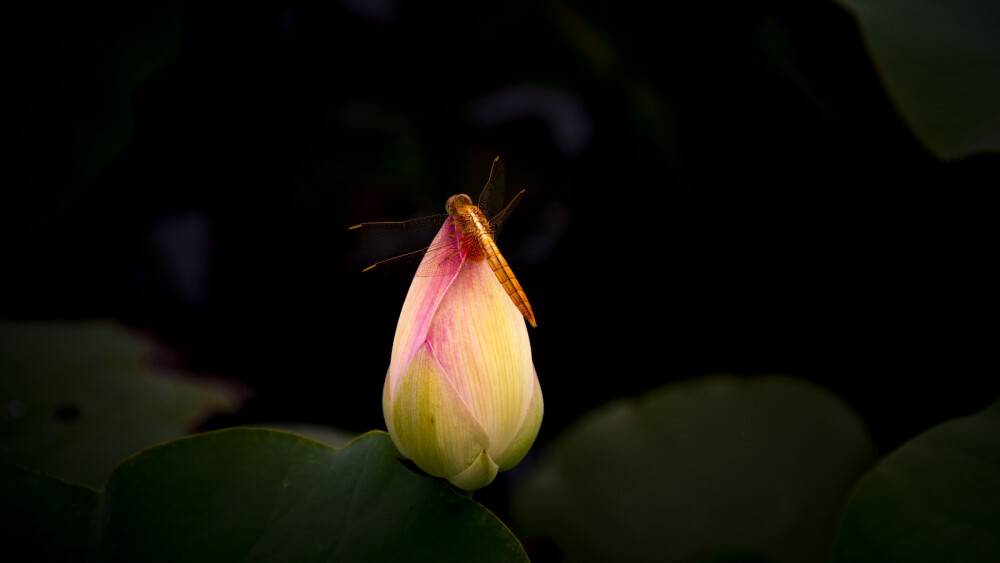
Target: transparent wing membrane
406,242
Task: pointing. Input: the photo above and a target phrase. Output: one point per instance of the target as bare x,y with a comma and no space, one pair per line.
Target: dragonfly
477,226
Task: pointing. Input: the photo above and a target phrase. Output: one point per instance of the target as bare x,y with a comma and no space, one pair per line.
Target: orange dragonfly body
477,232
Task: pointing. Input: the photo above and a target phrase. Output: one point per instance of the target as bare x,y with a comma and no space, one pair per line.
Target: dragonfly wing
500,218
407,241
404,241
491,199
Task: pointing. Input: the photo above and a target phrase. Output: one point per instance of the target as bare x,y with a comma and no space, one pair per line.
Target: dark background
724,187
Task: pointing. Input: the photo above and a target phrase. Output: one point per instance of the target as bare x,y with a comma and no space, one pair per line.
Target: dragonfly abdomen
474,223
506,278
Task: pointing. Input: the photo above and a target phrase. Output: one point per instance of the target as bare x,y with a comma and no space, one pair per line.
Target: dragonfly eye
456,201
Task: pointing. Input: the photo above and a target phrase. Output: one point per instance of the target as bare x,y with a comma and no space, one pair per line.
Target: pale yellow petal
525,437
476,476
430,422
481,340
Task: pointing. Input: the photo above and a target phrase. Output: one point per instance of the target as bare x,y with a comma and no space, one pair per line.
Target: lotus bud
461,397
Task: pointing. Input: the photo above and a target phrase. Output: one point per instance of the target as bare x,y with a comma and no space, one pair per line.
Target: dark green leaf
333,437
76,398
44,519
940,62
267,495
717,468
936,498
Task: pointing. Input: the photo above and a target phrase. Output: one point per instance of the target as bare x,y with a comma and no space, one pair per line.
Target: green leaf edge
851,541
91,540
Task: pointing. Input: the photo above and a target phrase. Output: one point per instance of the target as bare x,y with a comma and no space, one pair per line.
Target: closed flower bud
461,397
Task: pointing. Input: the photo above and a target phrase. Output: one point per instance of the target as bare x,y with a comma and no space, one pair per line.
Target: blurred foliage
714,468
940,63
76,398
936,498
76,114
253,495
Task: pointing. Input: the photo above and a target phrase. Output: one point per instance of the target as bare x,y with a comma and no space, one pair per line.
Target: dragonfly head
456,202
